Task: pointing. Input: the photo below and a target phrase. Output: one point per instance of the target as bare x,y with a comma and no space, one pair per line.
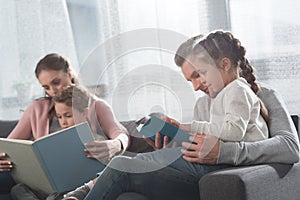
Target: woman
54,73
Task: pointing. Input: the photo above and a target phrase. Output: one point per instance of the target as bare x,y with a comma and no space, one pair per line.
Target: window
271,34
137,81
30,30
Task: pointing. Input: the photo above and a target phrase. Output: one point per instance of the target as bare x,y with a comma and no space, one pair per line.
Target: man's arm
282,146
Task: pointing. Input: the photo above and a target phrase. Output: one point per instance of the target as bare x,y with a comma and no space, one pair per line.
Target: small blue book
54,163
154,125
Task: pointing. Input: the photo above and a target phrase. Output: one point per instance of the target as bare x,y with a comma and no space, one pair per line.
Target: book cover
154,125
54,163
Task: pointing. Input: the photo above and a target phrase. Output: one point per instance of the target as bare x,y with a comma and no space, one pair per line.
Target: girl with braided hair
235,113
179,180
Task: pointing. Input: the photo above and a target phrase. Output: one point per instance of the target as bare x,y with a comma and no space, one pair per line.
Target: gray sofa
259,182
6,182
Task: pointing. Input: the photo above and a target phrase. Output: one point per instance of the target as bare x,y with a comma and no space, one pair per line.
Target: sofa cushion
5,197
131,196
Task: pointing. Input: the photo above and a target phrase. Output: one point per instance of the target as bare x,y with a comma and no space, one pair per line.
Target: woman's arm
34,121
112,128
23,128
101,114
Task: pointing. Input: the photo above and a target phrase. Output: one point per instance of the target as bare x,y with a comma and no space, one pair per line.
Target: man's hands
5,165
204,151
162,142
158,143
203,148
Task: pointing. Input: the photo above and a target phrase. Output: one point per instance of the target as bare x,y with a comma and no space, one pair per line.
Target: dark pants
6,182
23,192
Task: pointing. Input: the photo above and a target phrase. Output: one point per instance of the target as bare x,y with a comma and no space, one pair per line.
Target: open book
54,163
154,125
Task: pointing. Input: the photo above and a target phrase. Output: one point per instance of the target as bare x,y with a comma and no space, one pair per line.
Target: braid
222,44
240,60
247,73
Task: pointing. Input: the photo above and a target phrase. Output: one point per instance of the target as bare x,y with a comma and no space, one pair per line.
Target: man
121,174
281,147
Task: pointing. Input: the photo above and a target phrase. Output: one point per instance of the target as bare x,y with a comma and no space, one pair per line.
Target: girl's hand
171,121
5,165
204,151
105,149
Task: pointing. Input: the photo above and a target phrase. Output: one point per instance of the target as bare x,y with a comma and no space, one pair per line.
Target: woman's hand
5,165
105,149
204,151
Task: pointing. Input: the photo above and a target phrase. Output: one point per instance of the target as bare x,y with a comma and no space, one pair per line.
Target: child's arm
237,105
185,127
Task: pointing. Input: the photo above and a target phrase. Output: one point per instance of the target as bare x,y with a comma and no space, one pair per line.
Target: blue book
154,125
54,163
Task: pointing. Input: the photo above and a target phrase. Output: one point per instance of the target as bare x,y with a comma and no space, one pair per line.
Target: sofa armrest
6,181
273,181
296,120
6,126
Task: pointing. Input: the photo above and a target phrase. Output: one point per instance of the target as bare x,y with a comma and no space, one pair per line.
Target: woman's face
53,81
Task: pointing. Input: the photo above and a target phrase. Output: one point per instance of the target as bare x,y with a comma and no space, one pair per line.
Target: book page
27,168
64,159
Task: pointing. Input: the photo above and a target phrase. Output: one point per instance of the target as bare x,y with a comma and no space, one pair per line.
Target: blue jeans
179,180
172,157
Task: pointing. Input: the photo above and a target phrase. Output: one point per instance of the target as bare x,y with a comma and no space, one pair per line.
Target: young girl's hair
220,44
74,96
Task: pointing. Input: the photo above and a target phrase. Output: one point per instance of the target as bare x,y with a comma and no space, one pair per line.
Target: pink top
35,121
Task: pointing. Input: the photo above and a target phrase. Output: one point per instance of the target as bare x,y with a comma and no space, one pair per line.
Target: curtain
134,61
30,29
271,35
123,49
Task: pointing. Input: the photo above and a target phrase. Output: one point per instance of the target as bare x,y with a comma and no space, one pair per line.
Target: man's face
191,74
